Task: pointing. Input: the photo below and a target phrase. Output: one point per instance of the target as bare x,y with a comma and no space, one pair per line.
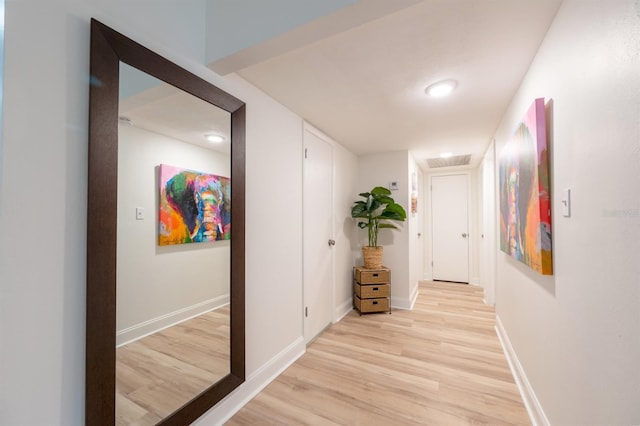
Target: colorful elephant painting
195,207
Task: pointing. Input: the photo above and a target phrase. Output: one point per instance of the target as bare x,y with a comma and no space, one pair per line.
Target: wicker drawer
371,305
371,291
372,276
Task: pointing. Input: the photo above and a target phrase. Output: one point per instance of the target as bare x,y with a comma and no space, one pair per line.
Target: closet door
318,234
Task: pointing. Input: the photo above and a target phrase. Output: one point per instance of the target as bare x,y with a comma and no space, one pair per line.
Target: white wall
162,285
43,199
347,249
416,225
273,225
380,170
575,333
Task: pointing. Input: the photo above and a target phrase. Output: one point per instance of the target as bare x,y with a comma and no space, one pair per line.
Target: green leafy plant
377,210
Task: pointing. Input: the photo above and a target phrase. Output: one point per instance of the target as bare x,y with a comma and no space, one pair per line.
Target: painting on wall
525,208
195,207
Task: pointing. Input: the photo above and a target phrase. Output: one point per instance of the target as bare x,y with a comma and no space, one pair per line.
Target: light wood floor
159,373
440,364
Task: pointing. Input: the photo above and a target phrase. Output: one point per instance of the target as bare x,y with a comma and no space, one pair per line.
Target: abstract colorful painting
525,208
195,207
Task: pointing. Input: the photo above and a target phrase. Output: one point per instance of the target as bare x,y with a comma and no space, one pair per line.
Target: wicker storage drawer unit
372,276
371,290
365,306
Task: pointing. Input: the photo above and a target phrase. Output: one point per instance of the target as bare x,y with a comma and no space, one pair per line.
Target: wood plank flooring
159,373
439,364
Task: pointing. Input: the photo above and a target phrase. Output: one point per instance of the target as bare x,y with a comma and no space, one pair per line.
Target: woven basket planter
372,257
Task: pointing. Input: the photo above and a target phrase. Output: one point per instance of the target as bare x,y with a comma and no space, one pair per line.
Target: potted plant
376,212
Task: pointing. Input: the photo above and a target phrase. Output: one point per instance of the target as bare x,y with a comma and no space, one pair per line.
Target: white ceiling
364,86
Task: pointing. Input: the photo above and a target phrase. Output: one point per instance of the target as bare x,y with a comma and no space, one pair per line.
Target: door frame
306,127
429,222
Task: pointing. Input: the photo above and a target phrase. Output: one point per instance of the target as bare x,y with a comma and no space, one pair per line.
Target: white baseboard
406,303
257,381
401,303
343,310
536,413
154,325
475,281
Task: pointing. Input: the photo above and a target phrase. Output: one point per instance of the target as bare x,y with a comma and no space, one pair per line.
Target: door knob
332,243
464,235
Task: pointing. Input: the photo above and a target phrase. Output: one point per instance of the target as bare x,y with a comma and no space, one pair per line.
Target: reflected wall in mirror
165,324
172,313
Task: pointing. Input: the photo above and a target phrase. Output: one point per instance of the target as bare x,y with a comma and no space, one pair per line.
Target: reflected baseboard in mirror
109,50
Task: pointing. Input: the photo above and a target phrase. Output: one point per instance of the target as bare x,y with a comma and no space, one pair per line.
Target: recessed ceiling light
215,138
441,88
446,154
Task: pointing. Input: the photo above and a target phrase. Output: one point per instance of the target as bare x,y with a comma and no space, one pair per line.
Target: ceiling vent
457,160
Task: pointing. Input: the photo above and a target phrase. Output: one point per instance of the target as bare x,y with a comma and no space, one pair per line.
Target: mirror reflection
173,257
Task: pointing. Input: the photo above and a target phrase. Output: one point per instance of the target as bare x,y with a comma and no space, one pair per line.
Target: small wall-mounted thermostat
393,186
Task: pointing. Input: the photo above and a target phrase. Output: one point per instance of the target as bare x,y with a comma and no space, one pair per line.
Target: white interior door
318,234
450,227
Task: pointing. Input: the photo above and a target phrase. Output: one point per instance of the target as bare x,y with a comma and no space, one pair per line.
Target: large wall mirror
165,238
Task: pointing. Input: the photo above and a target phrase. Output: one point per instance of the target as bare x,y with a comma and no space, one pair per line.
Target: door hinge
306,311
306,153
432,263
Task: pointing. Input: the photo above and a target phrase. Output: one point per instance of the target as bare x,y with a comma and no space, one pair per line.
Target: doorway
318,261
450,227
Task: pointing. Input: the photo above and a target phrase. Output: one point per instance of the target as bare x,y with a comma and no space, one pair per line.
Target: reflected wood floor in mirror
157,374
439,364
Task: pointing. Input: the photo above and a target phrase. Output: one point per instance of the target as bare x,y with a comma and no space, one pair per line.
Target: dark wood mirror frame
108,49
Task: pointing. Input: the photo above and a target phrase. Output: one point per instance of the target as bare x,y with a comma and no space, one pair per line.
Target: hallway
439,364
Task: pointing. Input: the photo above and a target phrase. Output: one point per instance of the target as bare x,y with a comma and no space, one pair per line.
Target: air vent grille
458,160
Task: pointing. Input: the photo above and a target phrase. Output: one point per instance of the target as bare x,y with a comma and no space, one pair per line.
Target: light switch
139,213
565,203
